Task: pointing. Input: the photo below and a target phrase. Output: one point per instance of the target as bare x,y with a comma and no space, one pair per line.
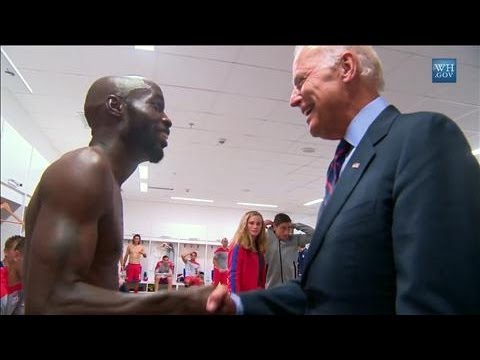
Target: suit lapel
361,158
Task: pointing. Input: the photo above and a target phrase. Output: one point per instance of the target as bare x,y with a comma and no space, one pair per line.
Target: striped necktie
333,172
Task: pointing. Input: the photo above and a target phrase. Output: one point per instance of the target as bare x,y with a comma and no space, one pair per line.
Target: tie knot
335,167
343,148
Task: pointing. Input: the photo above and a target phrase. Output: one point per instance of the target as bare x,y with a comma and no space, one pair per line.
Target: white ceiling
239,93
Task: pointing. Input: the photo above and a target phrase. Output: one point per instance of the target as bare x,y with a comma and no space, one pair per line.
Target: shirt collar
362,121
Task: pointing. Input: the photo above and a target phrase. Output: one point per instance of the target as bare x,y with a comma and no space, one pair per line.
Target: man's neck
12,277
122,162
361,98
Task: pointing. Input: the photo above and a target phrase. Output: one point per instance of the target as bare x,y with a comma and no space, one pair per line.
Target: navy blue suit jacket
400,234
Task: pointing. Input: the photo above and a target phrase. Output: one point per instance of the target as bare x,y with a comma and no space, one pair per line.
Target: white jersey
192,268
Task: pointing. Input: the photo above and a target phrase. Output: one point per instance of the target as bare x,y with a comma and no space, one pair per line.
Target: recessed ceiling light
259,205
190,199
145,47
313,202
143,171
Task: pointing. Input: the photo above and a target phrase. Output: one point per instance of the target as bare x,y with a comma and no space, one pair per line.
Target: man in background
193,274
9,248
164,273
283,247
133,254
220,264
11,287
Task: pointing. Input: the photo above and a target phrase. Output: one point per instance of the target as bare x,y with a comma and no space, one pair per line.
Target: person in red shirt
11,288
220,264
164,273
246,258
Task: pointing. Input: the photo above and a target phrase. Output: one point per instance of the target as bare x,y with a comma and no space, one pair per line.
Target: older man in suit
398,231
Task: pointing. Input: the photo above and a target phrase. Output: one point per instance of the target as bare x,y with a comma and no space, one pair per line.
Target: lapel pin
356,165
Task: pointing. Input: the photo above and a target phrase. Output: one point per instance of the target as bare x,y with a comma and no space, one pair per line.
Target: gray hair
369,62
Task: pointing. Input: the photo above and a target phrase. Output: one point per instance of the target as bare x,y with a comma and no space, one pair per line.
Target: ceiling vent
308,150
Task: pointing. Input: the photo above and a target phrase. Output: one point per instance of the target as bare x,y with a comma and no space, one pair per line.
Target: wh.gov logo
444,70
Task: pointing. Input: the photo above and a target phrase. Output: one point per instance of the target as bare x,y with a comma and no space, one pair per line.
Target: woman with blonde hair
246,257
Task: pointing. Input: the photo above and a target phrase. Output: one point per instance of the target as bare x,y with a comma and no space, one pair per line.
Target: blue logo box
444,70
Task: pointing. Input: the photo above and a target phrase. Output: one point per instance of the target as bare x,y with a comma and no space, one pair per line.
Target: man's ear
348,65
115,105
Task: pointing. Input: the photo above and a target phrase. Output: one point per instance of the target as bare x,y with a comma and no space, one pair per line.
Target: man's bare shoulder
87,156
85,170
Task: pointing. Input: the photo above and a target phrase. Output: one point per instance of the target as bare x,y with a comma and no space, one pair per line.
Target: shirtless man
74,222
134,269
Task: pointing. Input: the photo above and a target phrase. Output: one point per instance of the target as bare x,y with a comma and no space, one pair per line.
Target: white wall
16,115
20,162
153,220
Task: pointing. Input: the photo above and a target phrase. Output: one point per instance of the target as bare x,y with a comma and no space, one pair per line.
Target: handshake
219,302
200,300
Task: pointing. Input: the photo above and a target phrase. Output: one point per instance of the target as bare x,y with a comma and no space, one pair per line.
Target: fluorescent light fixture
190,199
313,202
143,187
259,205
145,47
16,70
476,152
143,170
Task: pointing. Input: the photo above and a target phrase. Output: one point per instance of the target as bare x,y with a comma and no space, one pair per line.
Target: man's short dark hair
281,218
134,236
12,242
164,256
20,244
